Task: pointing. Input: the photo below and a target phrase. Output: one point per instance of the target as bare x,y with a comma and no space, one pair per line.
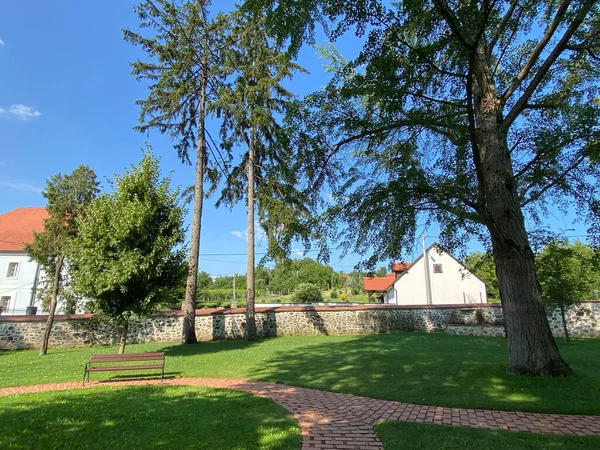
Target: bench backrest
155,356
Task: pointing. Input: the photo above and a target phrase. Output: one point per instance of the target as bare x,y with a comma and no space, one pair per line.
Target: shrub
344,297
307,293
356,290
334,294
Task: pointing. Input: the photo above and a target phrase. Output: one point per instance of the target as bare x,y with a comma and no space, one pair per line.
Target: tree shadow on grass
143,417
434,369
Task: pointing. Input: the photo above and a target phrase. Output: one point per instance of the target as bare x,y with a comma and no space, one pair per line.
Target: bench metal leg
85,372
162,373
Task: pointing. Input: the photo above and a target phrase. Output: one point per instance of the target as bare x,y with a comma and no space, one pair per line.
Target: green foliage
286,276
567,272
67,198
249,105
128,254
343,296
482,265
182,54
397,136
307,293
334,294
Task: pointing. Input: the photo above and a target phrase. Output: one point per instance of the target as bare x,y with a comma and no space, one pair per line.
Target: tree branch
534,56
545,67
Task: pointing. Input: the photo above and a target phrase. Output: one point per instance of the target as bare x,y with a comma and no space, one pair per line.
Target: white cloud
297,251
239,234
1,43
21,186
21,112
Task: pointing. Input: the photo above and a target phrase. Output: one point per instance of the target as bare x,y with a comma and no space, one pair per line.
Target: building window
437,268
4,302
13,270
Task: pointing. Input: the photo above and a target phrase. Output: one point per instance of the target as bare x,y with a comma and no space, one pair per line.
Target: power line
15,288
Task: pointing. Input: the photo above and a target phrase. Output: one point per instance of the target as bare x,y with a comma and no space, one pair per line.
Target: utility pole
427,274
233,302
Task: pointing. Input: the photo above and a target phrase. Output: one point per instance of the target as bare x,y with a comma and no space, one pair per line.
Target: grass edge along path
146,417
409,435
330,419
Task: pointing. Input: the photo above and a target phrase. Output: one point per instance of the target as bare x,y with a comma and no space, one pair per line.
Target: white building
434,278
19,276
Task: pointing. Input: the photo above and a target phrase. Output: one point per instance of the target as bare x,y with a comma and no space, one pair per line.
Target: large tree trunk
53,303
250,332
531,346
188,335
123,328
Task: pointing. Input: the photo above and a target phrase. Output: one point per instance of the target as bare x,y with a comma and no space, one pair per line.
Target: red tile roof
17,227
378,284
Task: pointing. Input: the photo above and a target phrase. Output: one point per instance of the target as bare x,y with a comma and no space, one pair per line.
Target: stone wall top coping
259,309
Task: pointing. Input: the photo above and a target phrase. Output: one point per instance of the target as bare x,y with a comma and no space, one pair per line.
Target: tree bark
531,346
564,321
188,335
123,328
250,331
53,303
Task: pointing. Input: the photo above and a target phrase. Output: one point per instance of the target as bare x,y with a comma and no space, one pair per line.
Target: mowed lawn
418,436
146,417
432,369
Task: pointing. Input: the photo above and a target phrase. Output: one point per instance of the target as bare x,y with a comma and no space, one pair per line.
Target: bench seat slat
127,357
140,367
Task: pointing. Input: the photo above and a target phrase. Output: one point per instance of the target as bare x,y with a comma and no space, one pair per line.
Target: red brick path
340,421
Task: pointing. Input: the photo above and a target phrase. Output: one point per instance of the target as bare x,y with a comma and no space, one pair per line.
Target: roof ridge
22,207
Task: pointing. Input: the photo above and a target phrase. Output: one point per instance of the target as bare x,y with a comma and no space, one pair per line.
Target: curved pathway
331,420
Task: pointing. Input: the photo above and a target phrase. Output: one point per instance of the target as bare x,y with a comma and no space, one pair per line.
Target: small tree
128,255
67,197
307,293
562,276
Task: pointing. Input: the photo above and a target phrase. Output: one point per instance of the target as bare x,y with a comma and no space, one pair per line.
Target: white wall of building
454,285
17,288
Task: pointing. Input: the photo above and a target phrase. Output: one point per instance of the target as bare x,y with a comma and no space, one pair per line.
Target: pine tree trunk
564,321
531,346
53,303
189,306
250,332
123,328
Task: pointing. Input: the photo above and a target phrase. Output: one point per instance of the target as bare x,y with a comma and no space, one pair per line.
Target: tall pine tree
248,105
183,73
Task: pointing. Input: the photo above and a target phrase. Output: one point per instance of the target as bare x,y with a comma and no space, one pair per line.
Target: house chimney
399,267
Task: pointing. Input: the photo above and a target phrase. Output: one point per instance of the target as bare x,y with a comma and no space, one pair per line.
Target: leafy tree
307,293
129,252
204,280
67,197
471,114
566,273
482,265
248,105
184,75
381,272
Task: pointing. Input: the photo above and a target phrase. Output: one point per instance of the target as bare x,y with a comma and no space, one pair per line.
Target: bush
356,290
334,294
344,297
307,293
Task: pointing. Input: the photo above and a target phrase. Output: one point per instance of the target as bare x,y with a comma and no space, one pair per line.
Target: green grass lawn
408,435
146,417
432,369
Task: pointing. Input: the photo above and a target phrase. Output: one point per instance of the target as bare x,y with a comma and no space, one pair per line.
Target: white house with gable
19,275
434,278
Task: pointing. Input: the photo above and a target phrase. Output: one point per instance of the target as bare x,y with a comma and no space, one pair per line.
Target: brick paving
330,420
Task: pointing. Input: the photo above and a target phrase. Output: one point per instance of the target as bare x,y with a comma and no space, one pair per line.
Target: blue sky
67,98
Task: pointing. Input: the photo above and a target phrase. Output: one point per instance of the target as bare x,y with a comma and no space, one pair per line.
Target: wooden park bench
97,363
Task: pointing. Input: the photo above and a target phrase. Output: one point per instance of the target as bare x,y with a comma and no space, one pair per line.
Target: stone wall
87,329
